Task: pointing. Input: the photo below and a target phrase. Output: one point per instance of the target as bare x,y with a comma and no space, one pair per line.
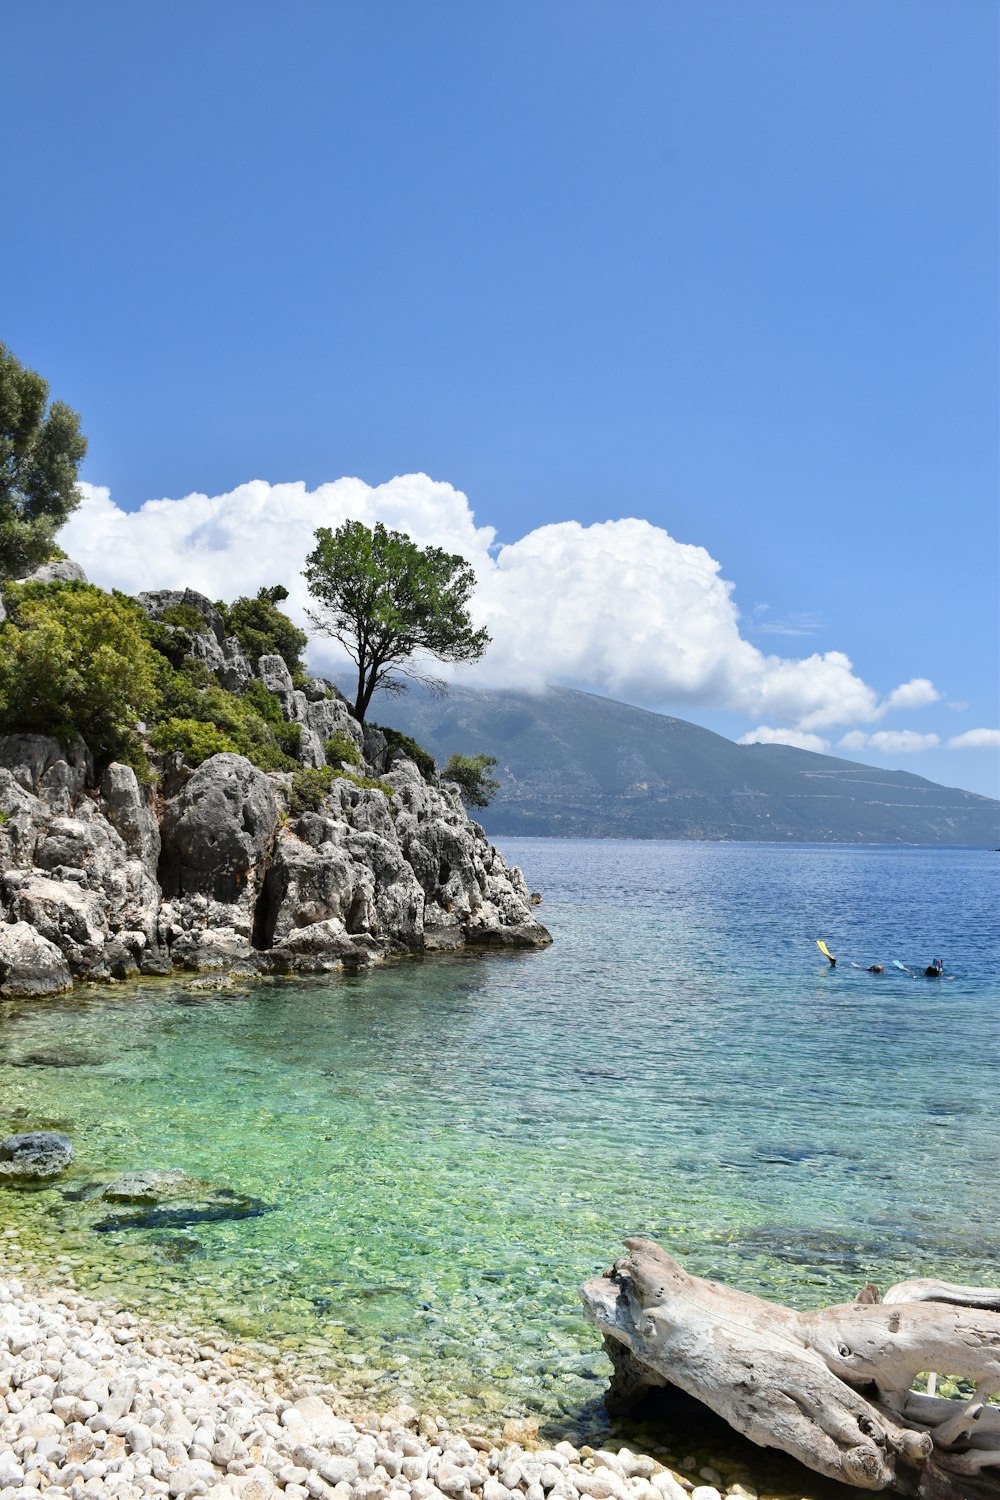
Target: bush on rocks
76,659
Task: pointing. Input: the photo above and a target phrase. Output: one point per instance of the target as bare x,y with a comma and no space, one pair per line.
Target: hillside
579,766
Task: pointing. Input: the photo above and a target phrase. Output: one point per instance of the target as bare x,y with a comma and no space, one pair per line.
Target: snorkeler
934,970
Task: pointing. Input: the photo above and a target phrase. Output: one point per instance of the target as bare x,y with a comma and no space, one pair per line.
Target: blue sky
728,269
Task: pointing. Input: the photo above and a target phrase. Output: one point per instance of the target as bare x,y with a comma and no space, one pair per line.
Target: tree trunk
831,1387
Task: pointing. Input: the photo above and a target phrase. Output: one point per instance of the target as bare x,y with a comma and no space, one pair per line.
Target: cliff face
103,879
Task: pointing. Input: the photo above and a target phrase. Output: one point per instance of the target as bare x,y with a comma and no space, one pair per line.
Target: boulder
277,679
235,672
30,965
154,1185
60,570
129,813
216,831
72,918
156,601
35,1155
43,767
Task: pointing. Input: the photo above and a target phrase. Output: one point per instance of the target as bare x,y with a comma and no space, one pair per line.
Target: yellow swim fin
825,950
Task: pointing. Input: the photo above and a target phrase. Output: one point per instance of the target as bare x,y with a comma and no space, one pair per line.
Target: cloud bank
619,607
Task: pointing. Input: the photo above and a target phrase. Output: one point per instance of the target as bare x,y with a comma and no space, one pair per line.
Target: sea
426,1160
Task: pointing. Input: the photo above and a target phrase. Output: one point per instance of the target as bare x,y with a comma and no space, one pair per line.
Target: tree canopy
40,452
386,600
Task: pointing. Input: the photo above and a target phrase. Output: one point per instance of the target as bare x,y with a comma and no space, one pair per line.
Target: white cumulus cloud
975,739
890,741
619,607
919,692
799,739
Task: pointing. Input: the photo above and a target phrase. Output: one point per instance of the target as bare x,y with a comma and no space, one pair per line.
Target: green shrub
251,725
174,644
367,783
264,630
425,762
311,785
472,773
194,737
76,659
308,789
340,746
186,616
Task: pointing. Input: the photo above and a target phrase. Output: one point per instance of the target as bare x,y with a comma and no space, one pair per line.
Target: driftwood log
832,1387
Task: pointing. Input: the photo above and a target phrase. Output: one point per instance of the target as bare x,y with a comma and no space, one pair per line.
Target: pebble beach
96,1403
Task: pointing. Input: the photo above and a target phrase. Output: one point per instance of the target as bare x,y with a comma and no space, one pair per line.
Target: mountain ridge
574,764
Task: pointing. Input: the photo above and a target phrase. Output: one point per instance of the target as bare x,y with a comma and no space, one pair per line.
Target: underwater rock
216,1205
35,1155
154,1185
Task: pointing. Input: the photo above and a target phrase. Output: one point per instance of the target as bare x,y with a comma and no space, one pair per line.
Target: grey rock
70,918
155,601
61,570
127,809
376,748
216,831
235,673
36,1154
30,965
43,767
276,677
154,1185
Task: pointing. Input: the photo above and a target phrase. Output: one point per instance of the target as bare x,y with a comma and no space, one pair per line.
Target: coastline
97,1401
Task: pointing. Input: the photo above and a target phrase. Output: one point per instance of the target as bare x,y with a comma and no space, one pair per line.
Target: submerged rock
216,1205
155,1185
35,1155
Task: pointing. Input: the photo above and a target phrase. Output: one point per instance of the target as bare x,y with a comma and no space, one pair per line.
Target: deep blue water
449,1146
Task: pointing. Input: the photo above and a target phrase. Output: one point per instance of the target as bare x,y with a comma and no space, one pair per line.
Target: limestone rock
129,813
41,766
154,1185
70,917
60,570
156,601
216,831
34,1155
235,672
29,963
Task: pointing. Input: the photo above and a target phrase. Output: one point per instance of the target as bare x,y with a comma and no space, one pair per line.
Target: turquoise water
448,1147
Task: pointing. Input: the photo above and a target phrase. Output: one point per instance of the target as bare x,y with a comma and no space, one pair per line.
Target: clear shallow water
450,1146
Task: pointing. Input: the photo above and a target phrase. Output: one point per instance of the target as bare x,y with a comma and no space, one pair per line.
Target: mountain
578,766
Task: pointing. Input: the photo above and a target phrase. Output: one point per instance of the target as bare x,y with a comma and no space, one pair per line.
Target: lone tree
40,452
385,599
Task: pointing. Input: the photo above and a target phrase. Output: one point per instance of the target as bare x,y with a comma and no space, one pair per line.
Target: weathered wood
832,1387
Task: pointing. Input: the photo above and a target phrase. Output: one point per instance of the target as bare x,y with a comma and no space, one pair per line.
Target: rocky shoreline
223,866
96,1402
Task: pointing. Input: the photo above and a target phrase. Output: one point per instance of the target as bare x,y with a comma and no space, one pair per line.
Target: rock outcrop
101,878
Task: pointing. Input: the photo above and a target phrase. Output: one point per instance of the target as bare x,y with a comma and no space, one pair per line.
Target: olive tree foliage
473,775
385,600
40,452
